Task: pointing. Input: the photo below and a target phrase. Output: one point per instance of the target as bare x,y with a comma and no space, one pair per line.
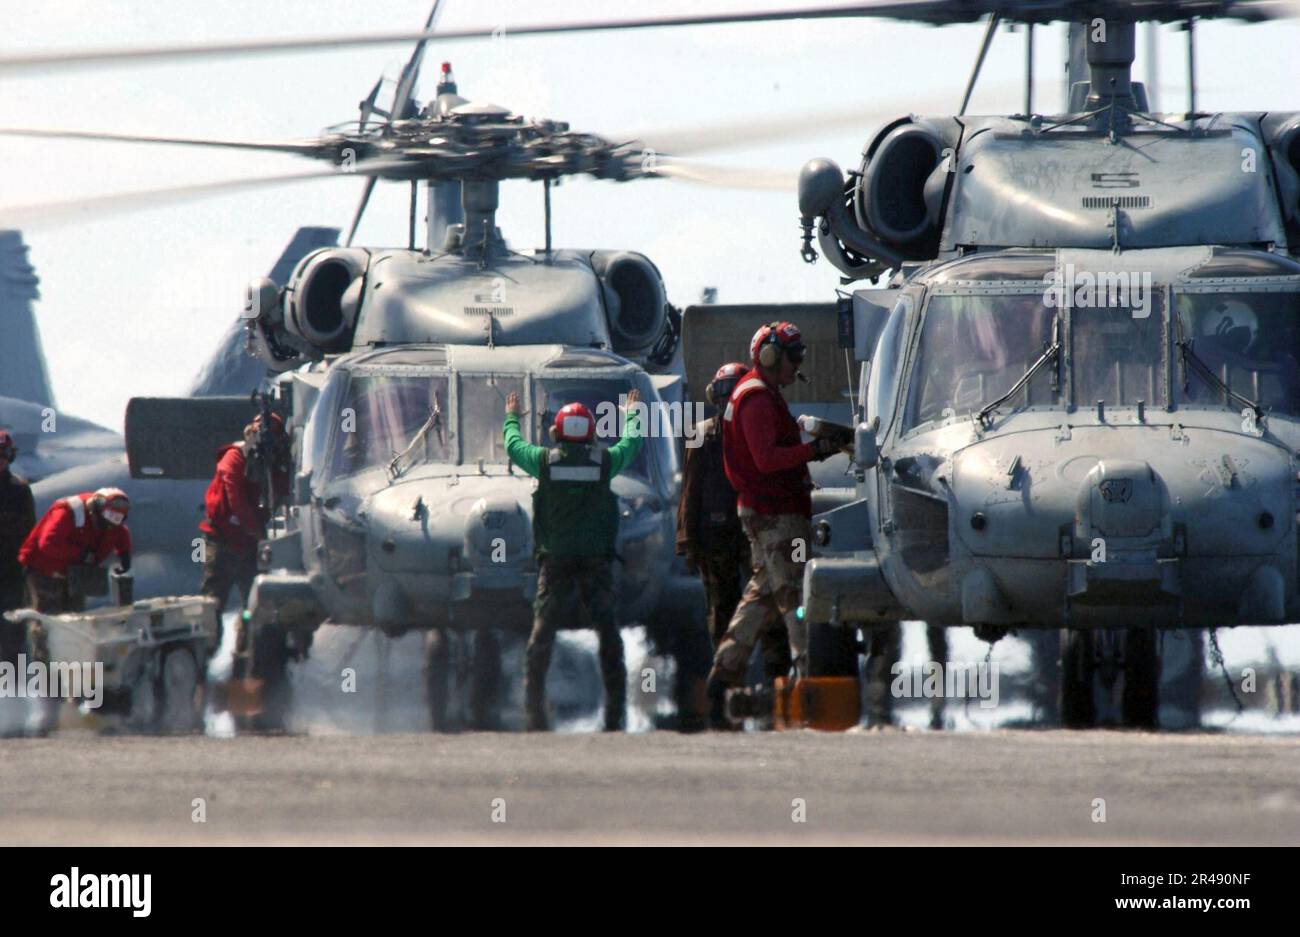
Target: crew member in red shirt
79,529
237,512
766,462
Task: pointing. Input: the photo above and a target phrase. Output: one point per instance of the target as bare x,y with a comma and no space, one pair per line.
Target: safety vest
783,492
574,511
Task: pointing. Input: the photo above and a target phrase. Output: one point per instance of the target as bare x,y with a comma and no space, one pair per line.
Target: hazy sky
132,304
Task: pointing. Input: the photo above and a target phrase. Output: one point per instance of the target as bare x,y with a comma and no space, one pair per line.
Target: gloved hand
123,563
824,448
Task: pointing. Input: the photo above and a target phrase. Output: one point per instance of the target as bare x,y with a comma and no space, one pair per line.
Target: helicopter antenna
415,195
1191,68
994,19
546,202
1153,67
1029,69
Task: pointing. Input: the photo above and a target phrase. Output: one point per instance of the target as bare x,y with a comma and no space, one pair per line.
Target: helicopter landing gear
437,677
1095,661
485,682
474,661
1140,702
1078,708
269,662
832,650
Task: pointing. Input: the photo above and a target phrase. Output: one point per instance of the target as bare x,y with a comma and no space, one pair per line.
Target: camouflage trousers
224,569
568,587
50,595
779,545
723,573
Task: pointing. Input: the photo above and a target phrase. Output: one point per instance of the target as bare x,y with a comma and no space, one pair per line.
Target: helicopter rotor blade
935,12
402,98
55,213
300,148
361,209
703,138
724,177
411,72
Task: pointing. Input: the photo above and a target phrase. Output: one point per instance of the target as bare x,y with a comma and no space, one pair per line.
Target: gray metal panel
1015,188
514,301
178,437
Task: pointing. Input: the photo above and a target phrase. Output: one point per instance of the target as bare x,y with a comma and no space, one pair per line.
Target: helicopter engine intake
323,297
635,301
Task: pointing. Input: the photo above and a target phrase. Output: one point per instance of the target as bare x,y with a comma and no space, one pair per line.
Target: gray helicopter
394,367
1079,398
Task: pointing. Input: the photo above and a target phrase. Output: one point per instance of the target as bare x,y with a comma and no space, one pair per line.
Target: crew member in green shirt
575,526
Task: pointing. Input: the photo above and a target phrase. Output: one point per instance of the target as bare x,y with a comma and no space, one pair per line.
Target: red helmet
8,448
779,337
112,504
574,423
724,382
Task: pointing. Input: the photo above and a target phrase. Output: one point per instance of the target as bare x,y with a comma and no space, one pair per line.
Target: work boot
535,719
716,690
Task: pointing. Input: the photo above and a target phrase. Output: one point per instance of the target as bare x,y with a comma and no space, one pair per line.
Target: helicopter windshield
602,399
482,403
1250,344
973,350
383,416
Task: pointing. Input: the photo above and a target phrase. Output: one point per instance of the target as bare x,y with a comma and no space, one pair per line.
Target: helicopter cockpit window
482,403
1117,353
602,399
1250,341
383,414
973,349
886,365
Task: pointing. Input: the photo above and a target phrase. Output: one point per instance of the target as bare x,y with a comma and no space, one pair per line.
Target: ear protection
769,351
774,338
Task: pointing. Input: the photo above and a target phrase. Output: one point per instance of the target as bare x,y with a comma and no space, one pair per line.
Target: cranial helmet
724,382
111,504
574,423
769,341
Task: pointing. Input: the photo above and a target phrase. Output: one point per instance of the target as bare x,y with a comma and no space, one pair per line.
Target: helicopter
1079,401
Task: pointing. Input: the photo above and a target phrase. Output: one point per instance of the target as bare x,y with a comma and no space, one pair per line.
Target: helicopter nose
1123,524
1121,499
497,534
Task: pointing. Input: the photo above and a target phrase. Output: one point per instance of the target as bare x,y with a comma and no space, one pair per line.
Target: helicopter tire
437,678
832,650
1140,700
1078,708
270,664
486,680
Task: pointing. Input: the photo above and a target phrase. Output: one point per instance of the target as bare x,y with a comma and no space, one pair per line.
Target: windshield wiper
398,467
1051,353
1192,362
